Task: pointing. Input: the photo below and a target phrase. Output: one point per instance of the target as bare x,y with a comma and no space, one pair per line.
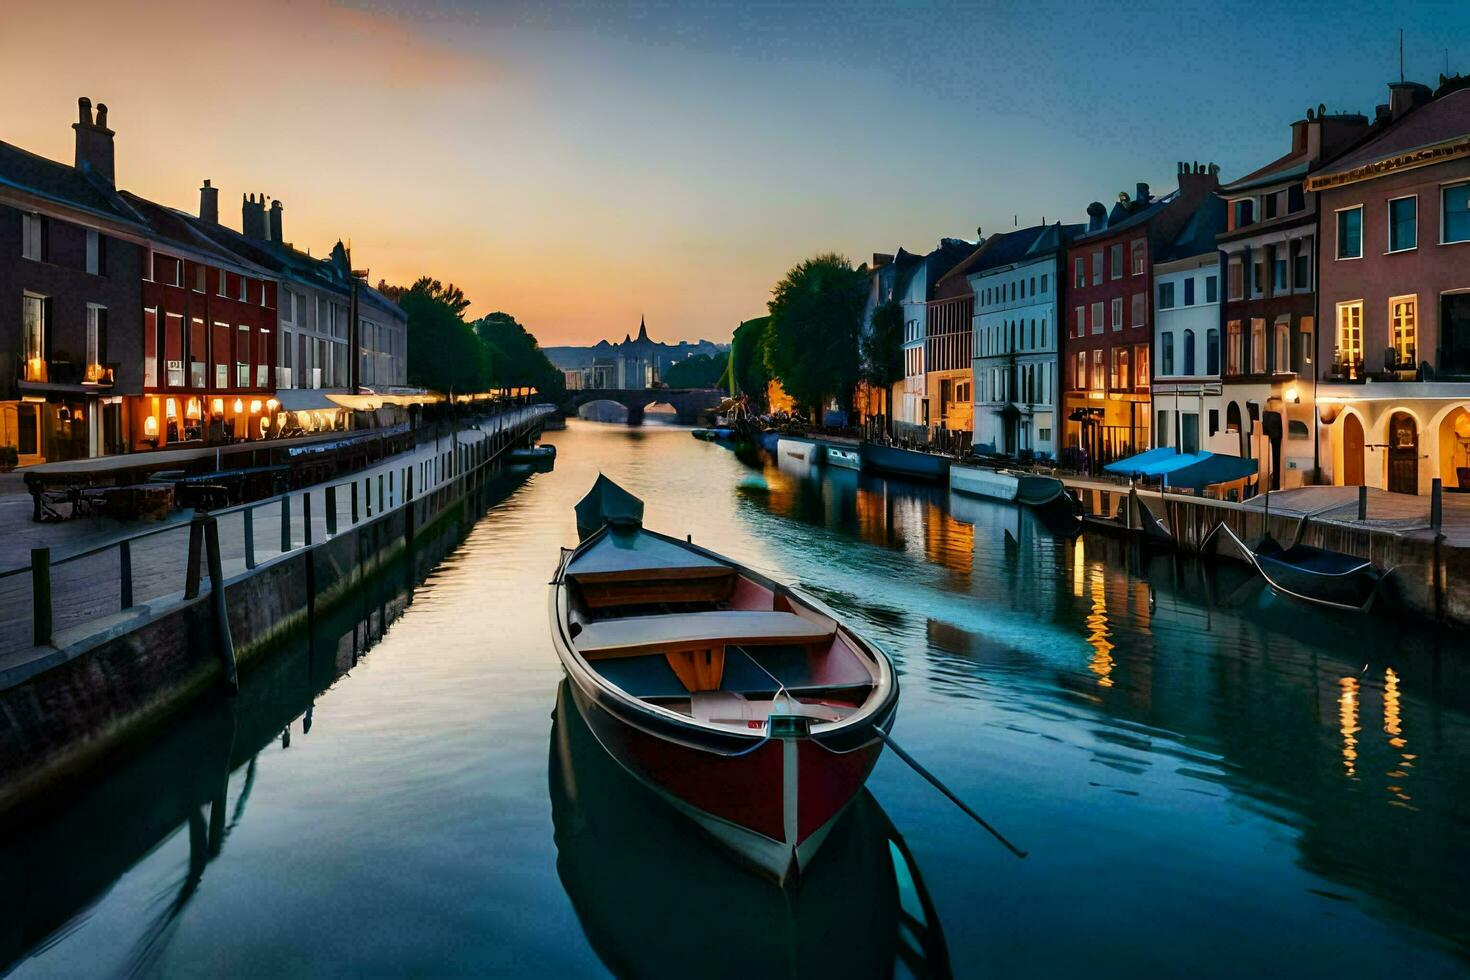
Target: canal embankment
126,632
1424,551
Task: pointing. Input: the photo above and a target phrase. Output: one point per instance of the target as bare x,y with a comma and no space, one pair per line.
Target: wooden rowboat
749,707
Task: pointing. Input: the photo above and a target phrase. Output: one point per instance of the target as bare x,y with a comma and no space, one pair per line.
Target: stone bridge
689,404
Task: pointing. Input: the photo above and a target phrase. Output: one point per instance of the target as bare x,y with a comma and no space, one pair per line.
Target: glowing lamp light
254,406
272,404
217,406
191,408
1293,396
239,406
150,426
171,409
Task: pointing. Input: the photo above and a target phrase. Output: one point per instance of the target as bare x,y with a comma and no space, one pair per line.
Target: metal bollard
249,537
306,519
353,487
331,493
196,550
1363,503
41,596
1436,503
221,612
381,505
285,523
367,495
125,572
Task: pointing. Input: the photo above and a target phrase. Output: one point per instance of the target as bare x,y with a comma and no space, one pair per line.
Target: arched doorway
1454,449
1403,453
1352,451
1232,424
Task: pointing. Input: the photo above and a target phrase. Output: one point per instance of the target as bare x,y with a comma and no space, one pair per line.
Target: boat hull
771,805
1352,588
850,459
980,481
906,462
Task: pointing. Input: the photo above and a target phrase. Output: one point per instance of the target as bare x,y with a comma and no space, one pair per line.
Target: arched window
1166,354
1212,352
1232,417
1189,352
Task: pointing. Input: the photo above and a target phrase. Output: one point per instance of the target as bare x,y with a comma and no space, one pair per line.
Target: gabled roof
1282,168
1440,120
1197,237
1117,222
1055,237
63,184
177,228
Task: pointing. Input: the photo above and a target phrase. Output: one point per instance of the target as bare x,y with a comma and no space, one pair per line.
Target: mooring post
381,506
306,519
331,505
285,523
223,638
352,487
1363,502
125,573
390,486
41,596
367,495
249,514
196,545
1436,503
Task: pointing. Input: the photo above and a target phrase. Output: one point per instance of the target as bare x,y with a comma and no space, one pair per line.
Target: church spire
642,328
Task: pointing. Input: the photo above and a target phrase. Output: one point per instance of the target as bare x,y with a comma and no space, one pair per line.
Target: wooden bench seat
635,636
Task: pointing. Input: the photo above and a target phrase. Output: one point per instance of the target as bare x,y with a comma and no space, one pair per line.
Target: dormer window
1245,212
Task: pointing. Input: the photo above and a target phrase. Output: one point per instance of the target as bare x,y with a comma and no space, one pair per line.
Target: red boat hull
786,792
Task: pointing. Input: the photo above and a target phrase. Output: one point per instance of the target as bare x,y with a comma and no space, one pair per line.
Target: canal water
1210,781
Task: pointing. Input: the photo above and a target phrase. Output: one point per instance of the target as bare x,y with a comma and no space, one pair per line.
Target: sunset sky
578,165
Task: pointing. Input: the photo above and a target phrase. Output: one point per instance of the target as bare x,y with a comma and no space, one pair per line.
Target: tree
812,338
513,358
442,352
697,371
882,350
748,373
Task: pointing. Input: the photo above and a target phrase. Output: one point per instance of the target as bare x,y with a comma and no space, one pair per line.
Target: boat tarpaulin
632,554
607,503
1132,466
1214,468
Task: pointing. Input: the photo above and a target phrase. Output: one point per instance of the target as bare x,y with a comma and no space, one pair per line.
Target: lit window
1349,355
1403,224
1350,233
1232,347
36,312
1282,343
1402,318
1138,250
1258,345
1117,313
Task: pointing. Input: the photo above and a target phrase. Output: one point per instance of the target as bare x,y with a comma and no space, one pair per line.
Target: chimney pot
1141,195
93,141
275,221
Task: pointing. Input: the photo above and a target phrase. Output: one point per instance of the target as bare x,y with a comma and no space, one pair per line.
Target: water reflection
65,853
656,900
1163,660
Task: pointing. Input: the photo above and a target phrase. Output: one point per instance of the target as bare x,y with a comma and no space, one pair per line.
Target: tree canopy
882,346
697,371
748,373
512,358
816,319
443,354
447,354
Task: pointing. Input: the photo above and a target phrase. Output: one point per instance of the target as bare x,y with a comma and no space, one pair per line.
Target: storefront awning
305,400
1213,469
1138,465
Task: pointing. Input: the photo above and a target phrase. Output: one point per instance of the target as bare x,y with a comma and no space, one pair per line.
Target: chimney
1198,180
209,203
1299,134
1402,97
1141,196
275,217
94,140
1097,216
880,259
252,217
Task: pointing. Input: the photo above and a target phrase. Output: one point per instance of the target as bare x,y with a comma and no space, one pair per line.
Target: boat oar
915,765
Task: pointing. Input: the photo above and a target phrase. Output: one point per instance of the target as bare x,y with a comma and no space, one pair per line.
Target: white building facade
1188,408
1014,355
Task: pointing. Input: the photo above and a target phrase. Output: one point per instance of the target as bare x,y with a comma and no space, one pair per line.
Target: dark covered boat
1327,578
905,462
750,708
656,900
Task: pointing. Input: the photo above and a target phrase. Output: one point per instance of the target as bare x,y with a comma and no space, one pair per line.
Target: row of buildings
1312,315
127,325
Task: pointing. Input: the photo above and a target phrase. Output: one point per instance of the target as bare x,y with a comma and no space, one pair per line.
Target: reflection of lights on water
1347,717
1393,726
1097,631
1078,568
